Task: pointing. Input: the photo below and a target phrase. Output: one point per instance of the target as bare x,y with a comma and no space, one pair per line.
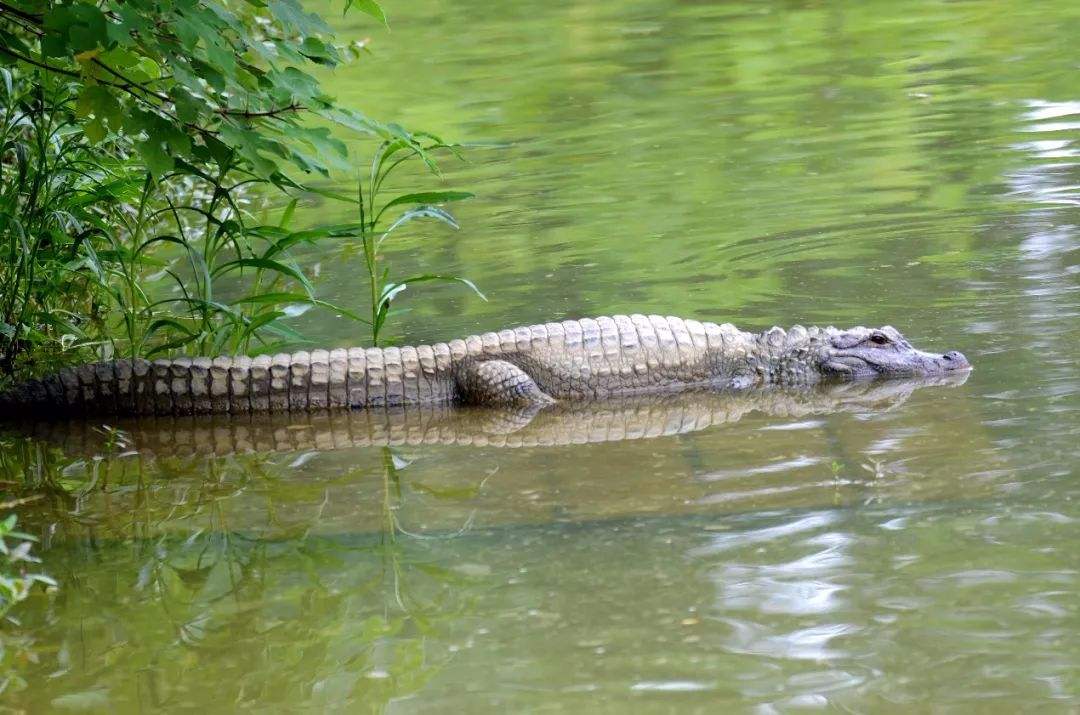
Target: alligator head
864,353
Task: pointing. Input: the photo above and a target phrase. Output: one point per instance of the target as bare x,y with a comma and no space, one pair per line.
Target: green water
758,162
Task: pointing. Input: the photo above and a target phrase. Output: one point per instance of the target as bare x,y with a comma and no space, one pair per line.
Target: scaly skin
555,362
611,420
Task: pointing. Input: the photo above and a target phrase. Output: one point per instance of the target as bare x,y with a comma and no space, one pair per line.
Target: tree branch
128,82
29,17
36,63
267,113
122,87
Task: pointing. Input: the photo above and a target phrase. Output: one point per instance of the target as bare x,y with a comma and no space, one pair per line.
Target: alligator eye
879,339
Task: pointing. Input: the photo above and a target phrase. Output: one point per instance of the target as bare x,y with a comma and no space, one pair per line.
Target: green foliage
390,156
57,202
100,257
15,582
227,282
135,140
189,80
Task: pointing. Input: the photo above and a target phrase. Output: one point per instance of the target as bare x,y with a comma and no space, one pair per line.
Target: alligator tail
285,382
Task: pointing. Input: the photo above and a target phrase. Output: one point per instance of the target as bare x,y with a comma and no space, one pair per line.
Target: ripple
801,644
672,686
724,542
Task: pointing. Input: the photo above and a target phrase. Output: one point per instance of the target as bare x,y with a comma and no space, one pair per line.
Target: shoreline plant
133,137
390,156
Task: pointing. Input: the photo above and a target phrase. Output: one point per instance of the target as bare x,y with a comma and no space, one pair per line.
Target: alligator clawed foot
499,383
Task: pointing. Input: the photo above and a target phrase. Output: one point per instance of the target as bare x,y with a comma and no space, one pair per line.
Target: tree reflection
165,603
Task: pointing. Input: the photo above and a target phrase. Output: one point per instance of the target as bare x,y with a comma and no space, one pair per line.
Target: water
758,162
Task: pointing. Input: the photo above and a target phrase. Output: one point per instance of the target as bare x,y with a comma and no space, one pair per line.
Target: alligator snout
864,353
955,360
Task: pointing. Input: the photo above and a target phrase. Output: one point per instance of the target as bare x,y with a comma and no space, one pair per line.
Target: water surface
755,162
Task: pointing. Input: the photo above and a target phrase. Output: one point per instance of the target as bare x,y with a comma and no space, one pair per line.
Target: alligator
569,361
609,420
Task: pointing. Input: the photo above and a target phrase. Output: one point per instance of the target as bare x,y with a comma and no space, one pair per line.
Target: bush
132,137
104,259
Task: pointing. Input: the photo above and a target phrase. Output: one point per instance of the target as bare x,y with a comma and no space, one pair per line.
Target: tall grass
55,205
373,231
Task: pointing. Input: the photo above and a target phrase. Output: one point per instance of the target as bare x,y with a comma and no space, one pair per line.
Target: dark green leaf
262,264
293,17
420,212
445,278
158,161
429,197
188,107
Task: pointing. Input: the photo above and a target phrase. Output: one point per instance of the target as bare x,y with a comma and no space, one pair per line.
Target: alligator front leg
498,382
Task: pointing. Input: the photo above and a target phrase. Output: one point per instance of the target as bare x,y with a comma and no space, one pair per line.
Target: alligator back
571,359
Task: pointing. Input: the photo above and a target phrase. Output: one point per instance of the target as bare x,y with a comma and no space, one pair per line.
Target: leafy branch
236,77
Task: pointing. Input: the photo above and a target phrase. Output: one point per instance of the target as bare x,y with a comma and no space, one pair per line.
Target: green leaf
148,68
419,212
250,145
262,264
285,298
260,321
158,161
326,146
425,197
95,131
429,197
188,108
352,119
287,214
318,51
285,331
368,7
89,30
390,291
448,279
171,323
272,298
98,101
290,14
130,21
293,85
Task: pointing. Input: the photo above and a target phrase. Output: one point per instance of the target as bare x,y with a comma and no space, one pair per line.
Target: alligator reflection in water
844,444
564,424
352,577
